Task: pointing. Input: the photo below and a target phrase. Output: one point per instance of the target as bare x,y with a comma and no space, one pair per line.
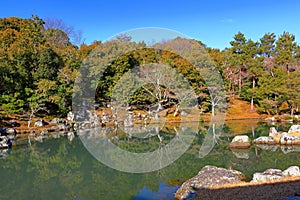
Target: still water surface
63,169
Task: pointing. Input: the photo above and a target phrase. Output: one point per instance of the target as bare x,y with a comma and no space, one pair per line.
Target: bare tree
73,34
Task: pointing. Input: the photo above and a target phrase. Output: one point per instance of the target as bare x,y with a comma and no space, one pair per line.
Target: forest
39,62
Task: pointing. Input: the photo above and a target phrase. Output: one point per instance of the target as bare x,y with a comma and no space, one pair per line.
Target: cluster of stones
292,137
211,176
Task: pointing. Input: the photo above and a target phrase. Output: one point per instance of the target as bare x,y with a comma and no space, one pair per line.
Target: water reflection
102,147
4,153
164,192
63,169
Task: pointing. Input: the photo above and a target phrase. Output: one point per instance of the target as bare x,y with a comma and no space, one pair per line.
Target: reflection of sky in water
165,192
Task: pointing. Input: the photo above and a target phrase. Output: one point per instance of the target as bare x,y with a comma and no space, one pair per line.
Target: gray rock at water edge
291,171
62,127
241,138
294,129
268,175
40,123
7,131
287,139
264,140
240,141
70,116
11,131
208,176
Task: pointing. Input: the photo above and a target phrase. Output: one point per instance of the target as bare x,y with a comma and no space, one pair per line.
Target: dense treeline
39,64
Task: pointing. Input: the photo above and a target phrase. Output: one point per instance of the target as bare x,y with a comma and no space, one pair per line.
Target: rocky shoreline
290,138
219,183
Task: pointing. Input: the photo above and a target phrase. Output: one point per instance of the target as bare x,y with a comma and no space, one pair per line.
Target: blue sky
212,22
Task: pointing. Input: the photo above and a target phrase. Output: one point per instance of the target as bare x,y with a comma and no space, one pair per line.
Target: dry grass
239,109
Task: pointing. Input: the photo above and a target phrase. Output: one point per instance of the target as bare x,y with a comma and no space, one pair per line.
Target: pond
64,169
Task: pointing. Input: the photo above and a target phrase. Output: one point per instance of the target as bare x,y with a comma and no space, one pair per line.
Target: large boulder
291,171
268,175
276,174
209,176
264,140
240,142
287,139
294,129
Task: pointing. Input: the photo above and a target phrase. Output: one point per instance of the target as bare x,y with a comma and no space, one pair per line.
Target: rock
264,140
14,124
291,171
62,127
268,175
11,131
240,142
70,116
287,139
273,132
208,176
40,123
294,129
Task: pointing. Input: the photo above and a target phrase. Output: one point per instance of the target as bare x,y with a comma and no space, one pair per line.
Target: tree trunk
252,95
240,81
291,105
213,109
29,120
292,110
